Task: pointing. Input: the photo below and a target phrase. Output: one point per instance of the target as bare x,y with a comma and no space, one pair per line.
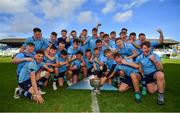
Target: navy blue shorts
76,72
150,78
61,75
25,85
89,71
127,80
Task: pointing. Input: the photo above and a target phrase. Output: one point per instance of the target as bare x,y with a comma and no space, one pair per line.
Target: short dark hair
77,41
63,30
105,35
54,33
36,30
98,41
142,34
88,50
73,31
117,39
122,32
79,52
96,48
132,33
146,43
113,32
117,55
30,44
95,29
101,32
106,51
124,29
63,52
40,52
84,30
53,47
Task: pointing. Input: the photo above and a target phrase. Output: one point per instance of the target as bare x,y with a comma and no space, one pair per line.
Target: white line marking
95,106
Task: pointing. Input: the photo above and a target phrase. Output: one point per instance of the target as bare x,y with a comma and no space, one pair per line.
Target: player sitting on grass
131,72
152,69
30,78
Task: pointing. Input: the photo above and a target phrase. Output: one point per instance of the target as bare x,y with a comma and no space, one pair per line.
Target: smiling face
146,50
37,35
30,48
118,59
119,43
52,52
39,57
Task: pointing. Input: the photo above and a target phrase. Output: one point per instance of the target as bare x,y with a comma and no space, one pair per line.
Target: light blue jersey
92,43
147,65
71,51
112,44
128,70
126,50
39,44
47,60
86,45
100,58
109,62
62,68
89,64
76,63
22,55
27,69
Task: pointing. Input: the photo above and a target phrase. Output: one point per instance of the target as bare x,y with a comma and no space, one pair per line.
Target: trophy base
97,91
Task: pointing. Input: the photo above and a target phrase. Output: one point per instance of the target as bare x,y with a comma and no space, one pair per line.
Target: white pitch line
95,106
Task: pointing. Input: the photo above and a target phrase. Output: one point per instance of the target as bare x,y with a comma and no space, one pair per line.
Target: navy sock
25,93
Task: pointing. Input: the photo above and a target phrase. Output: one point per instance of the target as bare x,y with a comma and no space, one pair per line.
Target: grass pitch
64,100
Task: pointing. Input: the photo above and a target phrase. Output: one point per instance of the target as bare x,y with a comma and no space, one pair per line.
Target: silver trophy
95,83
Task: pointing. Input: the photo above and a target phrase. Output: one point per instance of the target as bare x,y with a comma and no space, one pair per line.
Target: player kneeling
30,80
153,71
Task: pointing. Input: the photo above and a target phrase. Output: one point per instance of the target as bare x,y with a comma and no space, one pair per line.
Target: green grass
64,100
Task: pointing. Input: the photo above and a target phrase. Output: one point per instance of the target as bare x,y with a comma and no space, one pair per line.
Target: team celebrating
69,59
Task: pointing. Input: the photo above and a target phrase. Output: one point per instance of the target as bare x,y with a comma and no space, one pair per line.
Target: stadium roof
167,41
13,41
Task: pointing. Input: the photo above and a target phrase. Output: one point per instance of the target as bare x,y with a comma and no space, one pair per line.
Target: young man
142,38
127,51
88,58
73,34
63,38
62,69
30,79
74,48
131,72
52,40
84,40
92,41
98,64
100,46
37,39
111,64
76,65
112,39
51,61
23,57
152,69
